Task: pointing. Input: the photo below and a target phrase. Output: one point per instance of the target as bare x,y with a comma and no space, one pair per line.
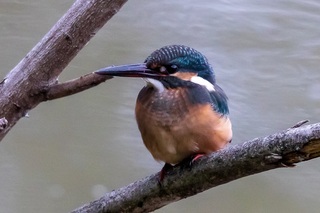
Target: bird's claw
163,172
187,163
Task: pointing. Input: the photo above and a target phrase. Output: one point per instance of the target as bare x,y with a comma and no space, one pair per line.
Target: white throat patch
203,82
155,83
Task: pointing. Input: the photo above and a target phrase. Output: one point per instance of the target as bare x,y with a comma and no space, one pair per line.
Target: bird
181,112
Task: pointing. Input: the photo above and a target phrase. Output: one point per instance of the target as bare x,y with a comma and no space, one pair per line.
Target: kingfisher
181,112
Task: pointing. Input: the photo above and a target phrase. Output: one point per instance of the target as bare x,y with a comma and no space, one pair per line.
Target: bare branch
23,88
261,154
74,86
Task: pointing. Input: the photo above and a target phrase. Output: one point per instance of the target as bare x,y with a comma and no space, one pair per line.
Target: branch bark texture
279,150
27,84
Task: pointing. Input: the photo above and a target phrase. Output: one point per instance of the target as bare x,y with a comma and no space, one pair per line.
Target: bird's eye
172,69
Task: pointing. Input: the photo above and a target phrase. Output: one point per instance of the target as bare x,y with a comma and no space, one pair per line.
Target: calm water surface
70,151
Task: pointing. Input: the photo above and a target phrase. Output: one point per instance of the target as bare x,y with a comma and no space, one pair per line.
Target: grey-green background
71,151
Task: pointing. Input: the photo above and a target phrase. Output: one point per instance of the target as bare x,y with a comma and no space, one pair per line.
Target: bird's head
179,61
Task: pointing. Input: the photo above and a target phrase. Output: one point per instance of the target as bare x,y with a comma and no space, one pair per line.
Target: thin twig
74,86
300,123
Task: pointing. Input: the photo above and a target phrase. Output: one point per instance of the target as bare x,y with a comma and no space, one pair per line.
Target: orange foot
196,157
188,162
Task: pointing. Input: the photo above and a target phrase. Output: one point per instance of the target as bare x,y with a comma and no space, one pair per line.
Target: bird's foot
189,161
196,157
163,172
186,163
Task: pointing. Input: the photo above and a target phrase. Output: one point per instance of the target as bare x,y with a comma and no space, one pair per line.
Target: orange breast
172,129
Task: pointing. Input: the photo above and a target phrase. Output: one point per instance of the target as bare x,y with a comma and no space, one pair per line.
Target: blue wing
198,94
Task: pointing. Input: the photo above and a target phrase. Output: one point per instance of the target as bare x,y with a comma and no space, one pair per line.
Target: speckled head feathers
185,58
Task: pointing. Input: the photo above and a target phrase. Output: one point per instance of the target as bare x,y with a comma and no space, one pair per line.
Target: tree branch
74,86
23,88
279,150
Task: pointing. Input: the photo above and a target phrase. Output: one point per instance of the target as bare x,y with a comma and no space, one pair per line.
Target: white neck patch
155,83
203,82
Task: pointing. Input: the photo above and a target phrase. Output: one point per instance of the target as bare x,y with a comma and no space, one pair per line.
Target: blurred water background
71,151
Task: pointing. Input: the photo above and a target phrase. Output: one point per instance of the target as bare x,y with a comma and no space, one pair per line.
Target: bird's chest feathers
166,107
174,124
173,98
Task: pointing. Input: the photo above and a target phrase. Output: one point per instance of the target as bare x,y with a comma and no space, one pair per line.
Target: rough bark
279,150
34,79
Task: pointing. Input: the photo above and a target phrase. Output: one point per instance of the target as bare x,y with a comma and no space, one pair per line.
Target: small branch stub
3,124
300,123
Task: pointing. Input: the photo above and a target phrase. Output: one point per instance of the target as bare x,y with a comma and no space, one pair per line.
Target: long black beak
130,70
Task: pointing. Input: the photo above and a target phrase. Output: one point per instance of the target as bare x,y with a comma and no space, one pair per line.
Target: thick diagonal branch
23,88
279,150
